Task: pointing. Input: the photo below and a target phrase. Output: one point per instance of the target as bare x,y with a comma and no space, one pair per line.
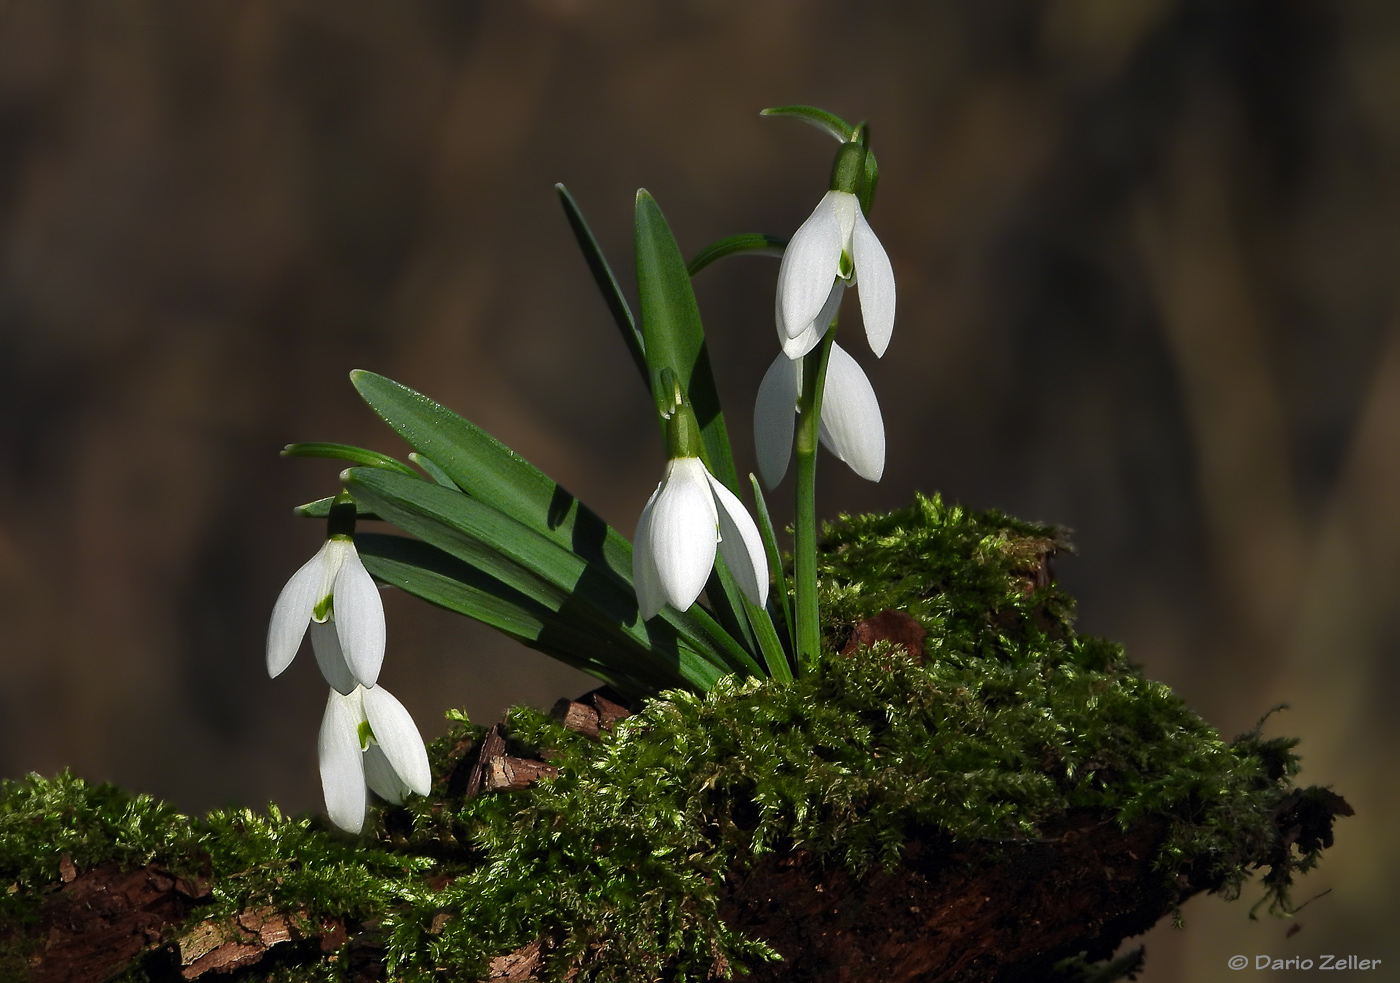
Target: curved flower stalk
835,248
851,426
368,739
332,589
687,519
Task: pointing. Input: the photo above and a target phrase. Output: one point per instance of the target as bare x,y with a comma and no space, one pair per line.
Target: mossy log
964,790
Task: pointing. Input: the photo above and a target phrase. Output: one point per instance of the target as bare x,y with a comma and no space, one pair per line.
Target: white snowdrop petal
646,579
325,642
398,737
292,613
740,544
795,348
342,765
875,284
809,265
851,424
683,532
359,619
774,416
381,777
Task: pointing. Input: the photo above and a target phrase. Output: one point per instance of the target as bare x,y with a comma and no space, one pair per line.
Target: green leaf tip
346,452
605,281
827,122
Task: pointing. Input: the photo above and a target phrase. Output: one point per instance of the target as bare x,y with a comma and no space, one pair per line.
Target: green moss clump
1007,723
247,859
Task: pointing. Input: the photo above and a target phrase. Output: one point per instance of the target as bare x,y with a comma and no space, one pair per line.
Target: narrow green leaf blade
872,173
674,336
826,122
774,658
531,563
433,471
321,509
753,243
675,343
606,282
775,557
489,471
347,452
439,578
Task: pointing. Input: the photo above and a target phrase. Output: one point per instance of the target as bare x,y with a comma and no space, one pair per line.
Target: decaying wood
889,626
521,965
491,745
978,913
983,912
509,774
224,945
489,769
102,918
591,713
517,966
578,717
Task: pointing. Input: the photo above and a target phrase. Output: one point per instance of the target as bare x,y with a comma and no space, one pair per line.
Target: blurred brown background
1146,254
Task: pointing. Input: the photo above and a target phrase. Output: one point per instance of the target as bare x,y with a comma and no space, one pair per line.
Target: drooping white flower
368,738
851,426
688,516
833,249
333,586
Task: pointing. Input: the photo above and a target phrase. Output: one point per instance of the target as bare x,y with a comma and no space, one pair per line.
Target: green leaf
439,578
321,509
729,603
820,118
606,282
675,341
872,173
774,658
775,558
430,467
674,336
487,470
755,243
547,573
346,452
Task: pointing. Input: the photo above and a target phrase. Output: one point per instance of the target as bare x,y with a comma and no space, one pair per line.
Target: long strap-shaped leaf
439,578
537,567
675,340
674,336
487,470
605,281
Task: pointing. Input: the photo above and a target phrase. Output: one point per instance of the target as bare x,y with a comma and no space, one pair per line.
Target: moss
1008,722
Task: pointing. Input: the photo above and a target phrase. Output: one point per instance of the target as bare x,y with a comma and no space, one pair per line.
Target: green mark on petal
323,609
366,734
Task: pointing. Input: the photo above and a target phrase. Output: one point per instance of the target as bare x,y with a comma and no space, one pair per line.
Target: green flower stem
809,406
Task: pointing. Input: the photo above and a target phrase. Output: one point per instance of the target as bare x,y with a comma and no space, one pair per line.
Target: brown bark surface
96,922
992,912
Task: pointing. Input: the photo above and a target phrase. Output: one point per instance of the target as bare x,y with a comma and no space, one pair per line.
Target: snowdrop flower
835,248
368,738
851,426
335,595
687,517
